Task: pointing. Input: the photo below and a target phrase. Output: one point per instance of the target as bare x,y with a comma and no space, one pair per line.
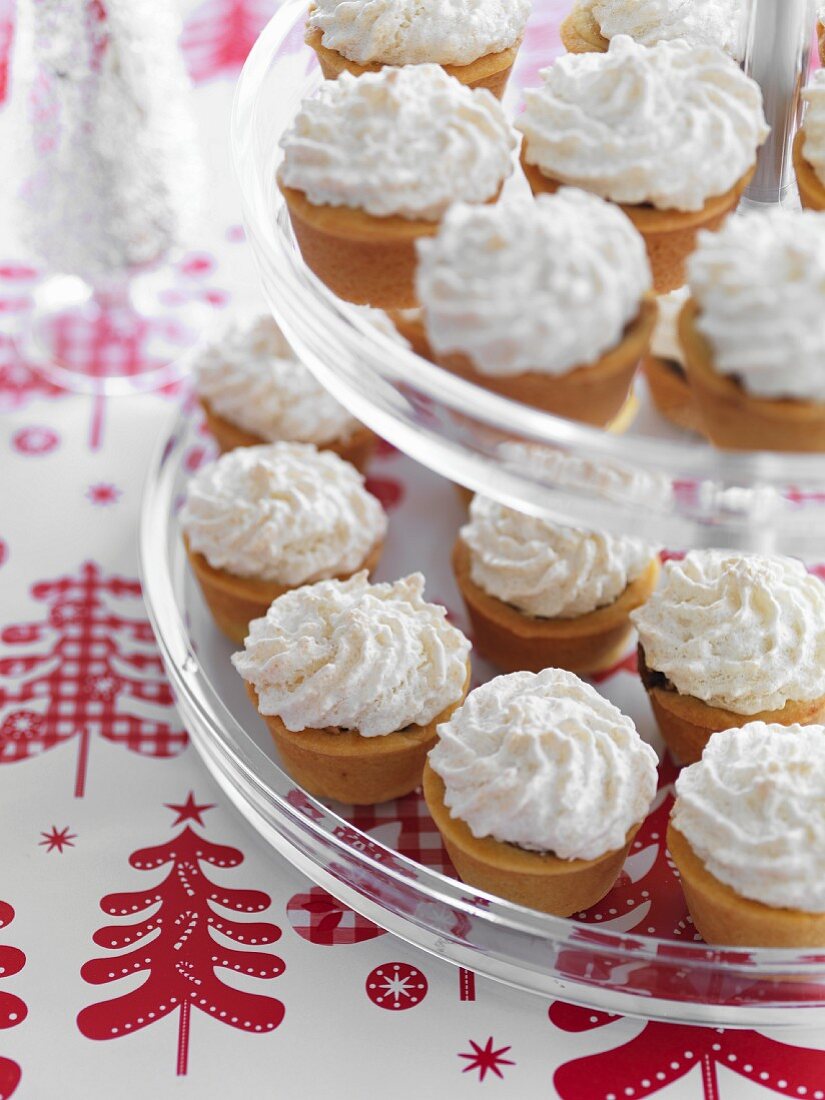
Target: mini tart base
670,235
357,448
415,333
492,71
721,916
581,33
811,187
737,420
594,394
363,259
687,723
538,880
516,642
670,393
343,765
235,601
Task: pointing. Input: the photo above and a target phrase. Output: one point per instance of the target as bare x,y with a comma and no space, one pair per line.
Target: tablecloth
99,784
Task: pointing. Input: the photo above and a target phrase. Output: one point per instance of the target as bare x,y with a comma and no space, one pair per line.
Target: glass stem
777,55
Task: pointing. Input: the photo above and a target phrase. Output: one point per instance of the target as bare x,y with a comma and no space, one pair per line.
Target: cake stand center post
777,53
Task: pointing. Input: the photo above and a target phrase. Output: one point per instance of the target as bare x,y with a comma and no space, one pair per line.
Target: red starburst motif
486,1059
103,493
189,810
58,839
396,986
35,440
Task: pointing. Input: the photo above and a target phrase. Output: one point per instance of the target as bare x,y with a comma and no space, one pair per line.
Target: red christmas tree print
220,33
664,1053
99,663
176,945
12,1009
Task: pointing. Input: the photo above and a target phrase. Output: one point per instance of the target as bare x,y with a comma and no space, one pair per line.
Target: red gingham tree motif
664,1053
12,1009
176,945
98,664
220,33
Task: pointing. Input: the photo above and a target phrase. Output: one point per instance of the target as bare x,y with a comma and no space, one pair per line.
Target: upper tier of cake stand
665,485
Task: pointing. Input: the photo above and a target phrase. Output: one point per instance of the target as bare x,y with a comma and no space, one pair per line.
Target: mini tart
538,880
722,916
580,33
670,392
594,394
362,258
670,235
737,420
687,723
811,187
492,71
514,641
362,771
235,601
357,449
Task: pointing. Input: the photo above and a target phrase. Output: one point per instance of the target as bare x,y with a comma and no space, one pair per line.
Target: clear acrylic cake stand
653,481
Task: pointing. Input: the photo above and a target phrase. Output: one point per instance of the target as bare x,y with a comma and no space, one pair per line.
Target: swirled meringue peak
760,286
516,286
546,763
544,569
375,658
670,125
404,142
251,377
813,148
738,631
753,810
409,32
283,512
696,22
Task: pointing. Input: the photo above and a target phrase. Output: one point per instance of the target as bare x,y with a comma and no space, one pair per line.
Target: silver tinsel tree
110,170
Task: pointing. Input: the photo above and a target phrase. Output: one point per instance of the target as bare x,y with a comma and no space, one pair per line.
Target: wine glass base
131,337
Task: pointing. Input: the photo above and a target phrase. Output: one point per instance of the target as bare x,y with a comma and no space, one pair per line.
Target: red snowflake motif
97,656
219,35
58,839
388,490
12,1010
35,440
664,1053
4,552
19,729
486,1059
177,948
396,986
103,493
